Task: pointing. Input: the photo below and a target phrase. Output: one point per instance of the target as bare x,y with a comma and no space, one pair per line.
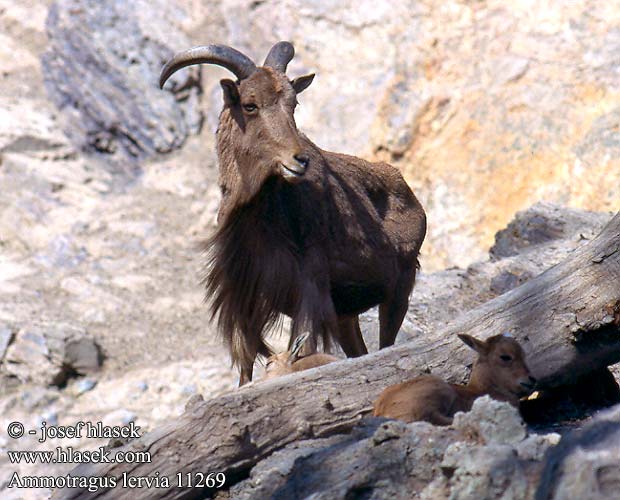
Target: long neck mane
253,273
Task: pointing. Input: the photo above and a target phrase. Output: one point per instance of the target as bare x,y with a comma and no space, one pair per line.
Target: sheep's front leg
245,376
316,312
245,349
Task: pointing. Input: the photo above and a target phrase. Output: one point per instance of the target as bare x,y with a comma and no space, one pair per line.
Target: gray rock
492,471
485,454
379,459
49,353
535,446
83,355
6,336
50,418
85,385
492,421
586,462
121,416
102,69
545,222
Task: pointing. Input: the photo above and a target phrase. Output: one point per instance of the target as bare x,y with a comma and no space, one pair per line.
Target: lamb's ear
297,346
301,83
477,345
231,92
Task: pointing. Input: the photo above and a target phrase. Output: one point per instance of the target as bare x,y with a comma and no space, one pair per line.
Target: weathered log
567,318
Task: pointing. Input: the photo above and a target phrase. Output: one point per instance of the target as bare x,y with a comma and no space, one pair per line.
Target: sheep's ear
477,345
301,83
231,92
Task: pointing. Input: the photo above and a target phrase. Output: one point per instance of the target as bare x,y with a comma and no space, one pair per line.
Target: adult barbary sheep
500,371
318,236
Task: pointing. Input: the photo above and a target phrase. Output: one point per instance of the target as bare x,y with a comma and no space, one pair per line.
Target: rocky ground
107,185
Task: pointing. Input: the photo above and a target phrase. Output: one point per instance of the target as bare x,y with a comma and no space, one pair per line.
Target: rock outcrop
486,453
49,354
101,70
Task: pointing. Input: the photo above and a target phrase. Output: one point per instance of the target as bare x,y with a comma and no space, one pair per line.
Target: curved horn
279,56
222,55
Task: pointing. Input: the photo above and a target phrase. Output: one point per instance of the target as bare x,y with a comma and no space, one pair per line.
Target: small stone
189,389
50,418
6,336
119,417
85,385
511,68
83,355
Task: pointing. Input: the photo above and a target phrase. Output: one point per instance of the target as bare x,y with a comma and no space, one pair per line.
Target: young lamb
500,371
293,361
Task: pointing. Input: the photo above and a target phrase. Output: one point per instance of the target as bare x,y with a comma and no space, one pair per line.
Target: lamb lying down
500,371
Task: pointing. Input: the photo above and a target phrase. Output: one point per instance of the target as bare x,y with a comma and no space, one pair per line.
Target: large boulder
48,353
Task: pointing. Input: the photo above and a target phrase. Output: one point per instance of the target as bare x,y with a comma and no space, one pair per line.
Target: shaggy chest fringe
253,271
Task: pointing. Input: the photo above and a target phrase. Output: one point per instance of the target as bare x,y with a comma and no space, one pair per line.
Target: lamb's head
500,369
282,363
263,137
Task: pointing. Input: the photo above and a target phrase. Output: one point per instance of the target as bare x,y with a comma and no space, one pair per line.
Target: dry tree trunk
567,318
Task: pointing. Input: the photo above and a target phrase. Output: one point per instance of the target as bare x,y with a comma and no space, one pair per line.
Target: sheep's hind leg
392,312
350,337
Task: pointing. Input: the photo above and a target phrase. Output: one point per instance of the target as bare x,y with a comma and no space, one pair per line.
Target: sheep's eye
505,357
250,107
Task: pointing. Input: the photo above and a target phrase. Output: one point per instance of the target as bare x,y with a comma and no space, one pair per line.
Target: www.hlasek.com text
70,455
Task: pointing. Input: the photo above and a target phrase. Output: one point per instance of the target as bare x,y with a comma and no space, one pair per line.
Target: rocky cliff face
486,107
